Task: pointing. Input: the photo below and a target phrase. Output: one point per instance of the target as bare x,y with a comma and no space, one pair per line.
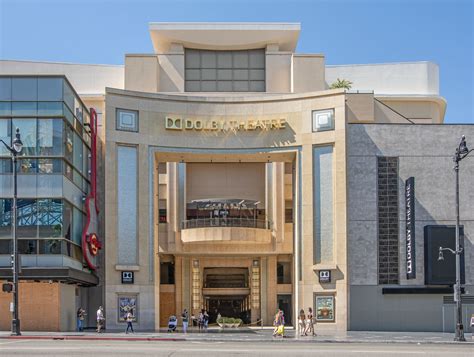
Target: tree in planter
341,83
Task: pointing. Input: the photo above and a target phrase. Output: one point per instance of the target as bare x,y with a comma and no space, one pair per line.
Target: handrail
226,222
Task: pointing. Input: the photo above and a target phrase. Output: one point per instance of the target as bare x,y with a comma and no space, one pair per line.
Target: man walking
185,317
80,319
100,319
129,319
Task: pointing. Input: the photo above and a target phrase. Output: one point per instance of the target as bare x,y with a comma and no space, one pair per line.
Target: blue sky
357,31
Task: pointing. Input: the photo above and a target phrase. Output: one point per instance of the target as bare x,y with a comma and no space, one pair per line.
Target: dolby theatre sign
173,123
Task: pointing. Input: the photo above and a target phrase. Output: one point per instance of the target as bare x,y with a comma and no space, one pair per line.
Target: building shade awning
62,274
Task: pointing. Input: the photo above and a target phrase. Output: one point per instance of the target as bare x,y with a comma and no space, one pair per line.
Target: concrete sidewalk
250,334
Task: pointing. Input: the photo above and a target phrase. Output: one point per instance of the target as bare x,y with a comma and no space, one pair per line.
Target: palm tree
341,83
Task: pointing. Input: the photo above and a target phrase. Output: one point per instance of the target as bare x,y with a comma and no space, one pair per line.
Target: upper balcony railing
226,222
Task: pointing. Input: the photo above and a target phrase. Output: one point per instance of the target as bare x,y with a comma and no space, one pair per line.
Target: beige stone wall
308,73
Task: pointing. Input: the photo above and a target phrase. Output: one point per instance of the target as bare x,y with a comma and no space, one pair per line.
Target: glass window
27,166
50,108
28,135
5,108
78,109
68,114
85,162
50,246
78,147
5,166
68,142
24,108
5,217
50,218
50,166
24,88
68,96
192,59
5,135
77,225
77,178
50,89
50,137
68,171
67,220
27,246
27,218
5,89
6,246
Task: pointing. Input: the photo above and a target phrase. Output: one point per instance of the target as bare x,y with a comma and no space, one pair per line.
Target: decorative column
255,289
196,287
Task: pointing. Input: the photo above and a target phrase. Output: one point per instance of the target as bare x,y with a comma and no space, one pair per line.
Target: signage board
324,276
127,277
179,123
410,228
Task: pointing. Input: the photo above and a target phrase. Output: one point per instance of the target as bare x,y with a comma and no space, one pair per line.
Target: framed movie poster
127,303
325,308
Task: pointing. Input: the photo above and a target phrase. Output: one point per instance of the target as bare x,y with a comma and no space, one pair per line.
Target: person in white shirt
100,318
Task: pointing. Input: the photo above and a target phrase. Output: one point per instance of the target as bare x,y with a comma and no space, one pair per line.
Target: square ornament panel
127,120
323,120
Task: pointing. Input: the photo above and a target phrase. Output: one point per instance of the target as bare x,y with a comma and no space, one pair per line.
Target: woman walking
129,319
302,323
310,323
81,313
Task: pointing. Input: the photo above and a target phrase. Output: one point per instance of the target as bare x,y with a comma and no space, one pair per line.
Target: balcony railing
226,222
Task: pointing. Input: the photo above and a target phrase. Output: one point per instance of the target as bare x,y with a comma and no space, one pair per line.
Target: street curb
274,340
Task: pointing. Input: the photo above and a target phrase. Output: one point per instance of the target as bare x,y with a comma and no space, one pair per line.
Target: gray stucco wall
425,152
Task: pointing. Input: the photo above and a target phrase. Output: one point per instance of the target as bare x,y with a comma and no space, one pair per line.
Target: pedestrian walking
100,319
310,323
279,324
201,320
129,319
81,313
302,323
472,326
206,320
185,317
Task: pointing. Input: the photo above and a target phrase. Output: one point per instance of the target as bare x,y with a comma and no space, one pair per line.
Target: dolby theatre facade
233,179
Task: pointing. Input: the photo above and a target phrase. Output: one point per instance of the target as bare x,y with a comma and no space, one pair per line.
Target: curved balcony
228,230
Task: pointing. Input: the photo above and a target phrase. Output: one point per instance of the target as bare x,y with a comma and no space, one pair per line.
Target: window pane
5,167
68,171
85,162
241,86
27,219
50,166
78,109
68,114
5,135
5,245
193,86
241,59
28,134
208,74
77,178
50,108
257,74
208,86
193,74
257,58
224,60
77,224
257,86
67,220
68,96
50,89
68,142
50,218
5,108
24,89
5,89
5,217
241,74
224,86
26,246
208,59
24,108
27,166
77,152
224,74
50,246
50,136
192,59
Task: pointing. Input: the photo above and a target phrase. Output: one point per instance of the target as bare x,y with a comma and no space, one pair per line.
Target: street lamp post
14,150
461,152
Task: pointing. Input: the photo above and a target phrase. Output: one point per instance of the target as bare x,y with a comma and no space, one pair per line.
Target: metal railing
226,222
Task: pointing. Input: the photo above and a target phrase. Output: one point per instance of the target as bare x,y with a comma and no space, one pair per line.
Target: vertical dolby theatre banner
410,227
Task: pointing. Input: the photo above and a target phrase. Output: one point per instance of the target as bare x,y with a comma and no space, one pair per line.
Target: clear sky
357,31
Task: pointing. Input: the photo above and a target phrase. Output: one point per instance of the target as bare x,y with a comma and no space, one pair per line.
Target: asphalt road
53,348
